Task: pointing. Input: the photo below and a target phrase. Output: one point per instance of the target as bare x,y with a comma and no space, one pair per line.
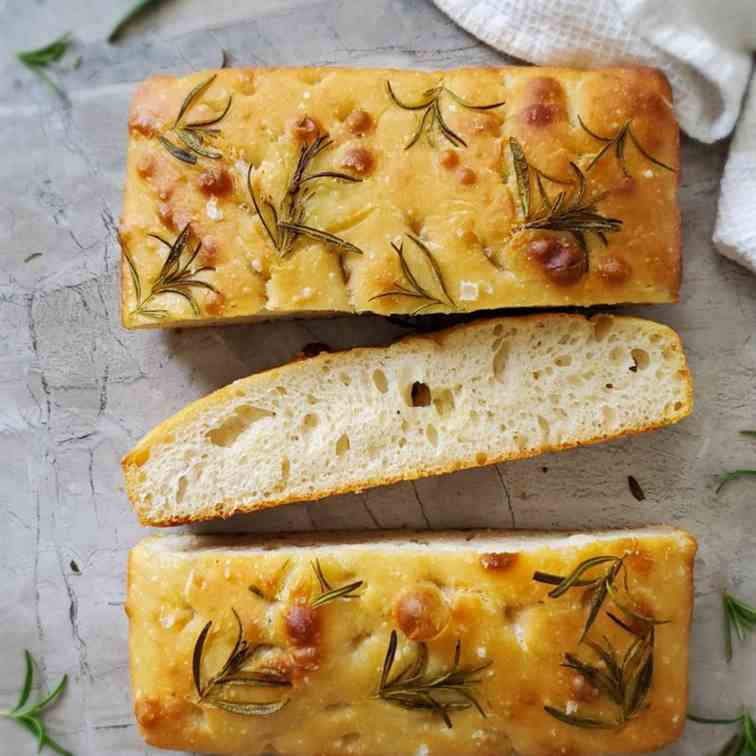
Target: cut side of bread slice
476,394
321,611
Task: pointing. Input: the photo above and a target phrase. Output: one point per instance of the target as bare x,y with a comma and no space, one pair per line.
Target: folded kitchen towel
705,48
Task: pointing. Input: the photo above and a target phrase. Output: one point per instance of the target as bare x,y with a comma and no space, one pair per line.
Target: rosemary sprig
37,60
618,142
411,287
625,680
285,225
570,211
137,10
174,277
28,715
726,477
328,593
233,674
742,743
412,688
740,617
433,116
195,135
599,586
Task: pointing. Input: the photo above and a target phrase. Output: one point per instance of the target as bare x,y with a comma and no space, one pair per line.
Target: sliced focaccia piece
253,193
477,394
467,643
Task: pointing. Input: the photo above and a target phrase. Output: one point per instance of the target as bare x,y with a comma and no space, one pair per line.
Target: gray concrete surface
76,390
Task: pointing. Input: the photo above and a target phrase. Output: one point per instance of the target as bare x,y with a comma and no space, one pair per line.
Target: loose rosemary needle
742,743
38,60
740,617
131,15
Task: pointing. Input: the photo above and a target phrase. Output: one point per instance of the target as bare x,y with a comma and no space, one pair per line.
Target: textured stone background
77,390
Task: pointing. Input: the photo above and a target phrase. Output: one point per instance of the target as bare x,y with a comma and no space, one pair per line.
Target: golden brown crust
469,216
505,618
225,508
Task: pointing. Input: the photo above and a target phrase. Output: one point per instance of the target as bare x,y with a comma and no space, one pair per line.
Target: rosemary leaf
742,743
618,142
285,225
173,278
433,115
38,60
412,688
319,235
195,144
180,154
233,673
46,55
136,10
329,594
726,477
585,722
28,715
573,579
522,174
215,119
740,617
248,709
413,289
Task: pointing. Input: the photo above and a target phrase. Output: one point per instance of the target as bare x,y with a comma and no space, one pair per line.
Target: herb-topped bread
468,643
480,393
254,193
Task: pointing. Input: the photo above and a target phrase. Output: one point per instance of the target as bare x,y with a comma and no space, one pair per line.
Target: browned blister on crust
431,158
504,622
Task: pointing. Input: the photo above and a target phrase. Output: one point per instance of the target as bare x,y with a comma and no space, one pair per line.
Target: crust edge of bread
225,508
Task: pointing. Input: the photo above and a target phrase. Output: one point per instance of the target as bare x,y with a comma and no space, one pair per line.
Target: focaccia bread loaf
397,191
317,614
480,393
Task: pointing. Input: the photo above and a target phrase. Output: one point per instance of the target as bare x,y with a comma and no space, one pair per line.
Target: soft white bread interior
476,394
433,590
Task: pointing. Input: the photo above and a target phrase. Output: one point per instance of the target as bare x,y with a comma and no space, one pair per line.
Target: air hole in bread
380,381
617,355
181,489
420,394
640,358
432,434
310,421
564,360
311,399
285,469
345,378
342,445
500,361
443,401
235,424
481,458
601,327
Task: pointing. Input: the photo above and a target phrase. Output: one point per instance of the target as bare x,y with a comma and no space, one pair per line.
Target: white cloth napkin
704,47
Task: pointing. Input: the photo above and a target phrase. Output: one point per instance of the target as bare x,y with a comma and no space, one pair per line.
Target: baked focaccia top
471,644
252,193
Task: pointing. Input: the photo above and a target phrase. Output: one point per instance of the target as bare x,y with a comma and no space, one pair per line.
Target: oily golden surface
464,207
486,600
